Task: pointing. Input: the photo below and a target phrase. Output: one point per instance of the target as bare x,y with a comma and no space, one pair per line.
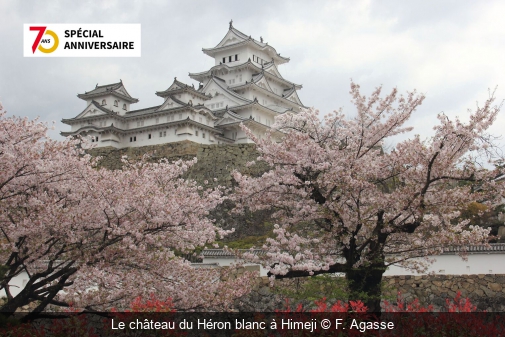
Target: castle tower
245,78
243,87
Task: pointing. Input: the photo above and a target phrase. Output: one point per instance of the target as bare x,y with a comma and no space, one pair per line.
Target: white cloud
451,50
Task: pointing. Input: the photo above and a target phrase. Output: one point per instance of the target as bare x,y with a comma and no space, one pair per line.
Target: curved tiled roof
245,40
247,63
471,249
229,253
100,90
248,84
182,87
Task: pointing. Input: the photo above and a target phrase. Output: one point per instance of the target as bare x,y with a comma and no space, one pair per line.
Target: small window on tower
116,103
124,106
196,133
149,136
203,134
97,138
224,59
236,57
131,139
229,58
164,133
135,138
104,102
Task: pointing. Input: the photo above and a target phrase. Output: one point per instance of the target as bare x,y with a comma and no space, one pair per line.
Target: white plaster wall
445,264
230,52
455,265
17,284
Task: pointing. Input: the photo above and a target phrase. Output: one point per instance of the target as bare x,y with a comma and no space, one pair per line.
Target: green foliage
3,270
245,242
313,288
329,286
250,241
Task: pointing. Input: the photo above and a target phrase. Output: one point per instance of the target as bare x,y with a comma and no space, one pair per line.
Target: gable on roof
262,82
292,95
93,109
230,117
272,69
217,86
116,89
230,38
170,103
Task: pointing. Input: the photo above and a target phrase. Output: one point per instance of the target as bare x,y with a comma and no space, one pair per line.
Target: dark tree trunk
365,284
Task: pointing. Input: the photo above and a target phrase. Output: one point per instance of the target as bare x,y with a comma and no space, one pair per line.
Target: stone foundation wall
487,292
213,161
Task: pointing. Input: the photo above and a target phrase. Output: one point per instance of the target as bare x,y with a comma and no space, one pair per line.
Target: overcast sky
453,51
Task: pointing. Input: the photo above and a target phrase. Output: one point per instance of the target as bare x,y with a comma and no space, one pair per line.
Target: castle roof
178,87
269,68
116,89
286,99
235,38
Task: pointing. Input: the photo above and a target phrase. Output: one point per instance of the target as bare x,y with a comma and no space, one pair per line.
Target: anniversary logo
81,40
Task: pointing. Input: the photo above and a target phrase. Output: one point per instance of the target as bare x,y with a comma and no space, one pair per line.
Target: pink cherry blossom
344,204
103,237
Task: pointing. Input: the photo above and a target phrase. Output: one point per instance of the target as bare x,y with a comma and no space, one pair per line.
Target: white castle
244,86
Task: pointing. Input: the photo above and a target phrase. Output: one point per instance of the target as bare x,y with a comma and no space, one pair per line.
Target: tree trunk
365,284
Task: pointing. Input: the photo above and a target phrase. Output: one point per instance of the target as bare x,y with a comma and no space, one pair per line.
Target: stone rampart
487,292
213,161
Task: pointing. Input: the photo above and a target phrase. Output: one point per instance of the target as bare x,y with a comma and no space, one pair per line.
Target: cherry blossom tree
345,205
100,238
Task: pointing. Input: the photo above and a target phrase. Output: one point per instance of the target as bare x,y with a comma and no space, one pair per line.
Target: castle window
104,102
149,136
97,138
116,103
229,58
135,138
161,134
224,59
131,139
164,133
124,106
203,134
196,133
236,57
